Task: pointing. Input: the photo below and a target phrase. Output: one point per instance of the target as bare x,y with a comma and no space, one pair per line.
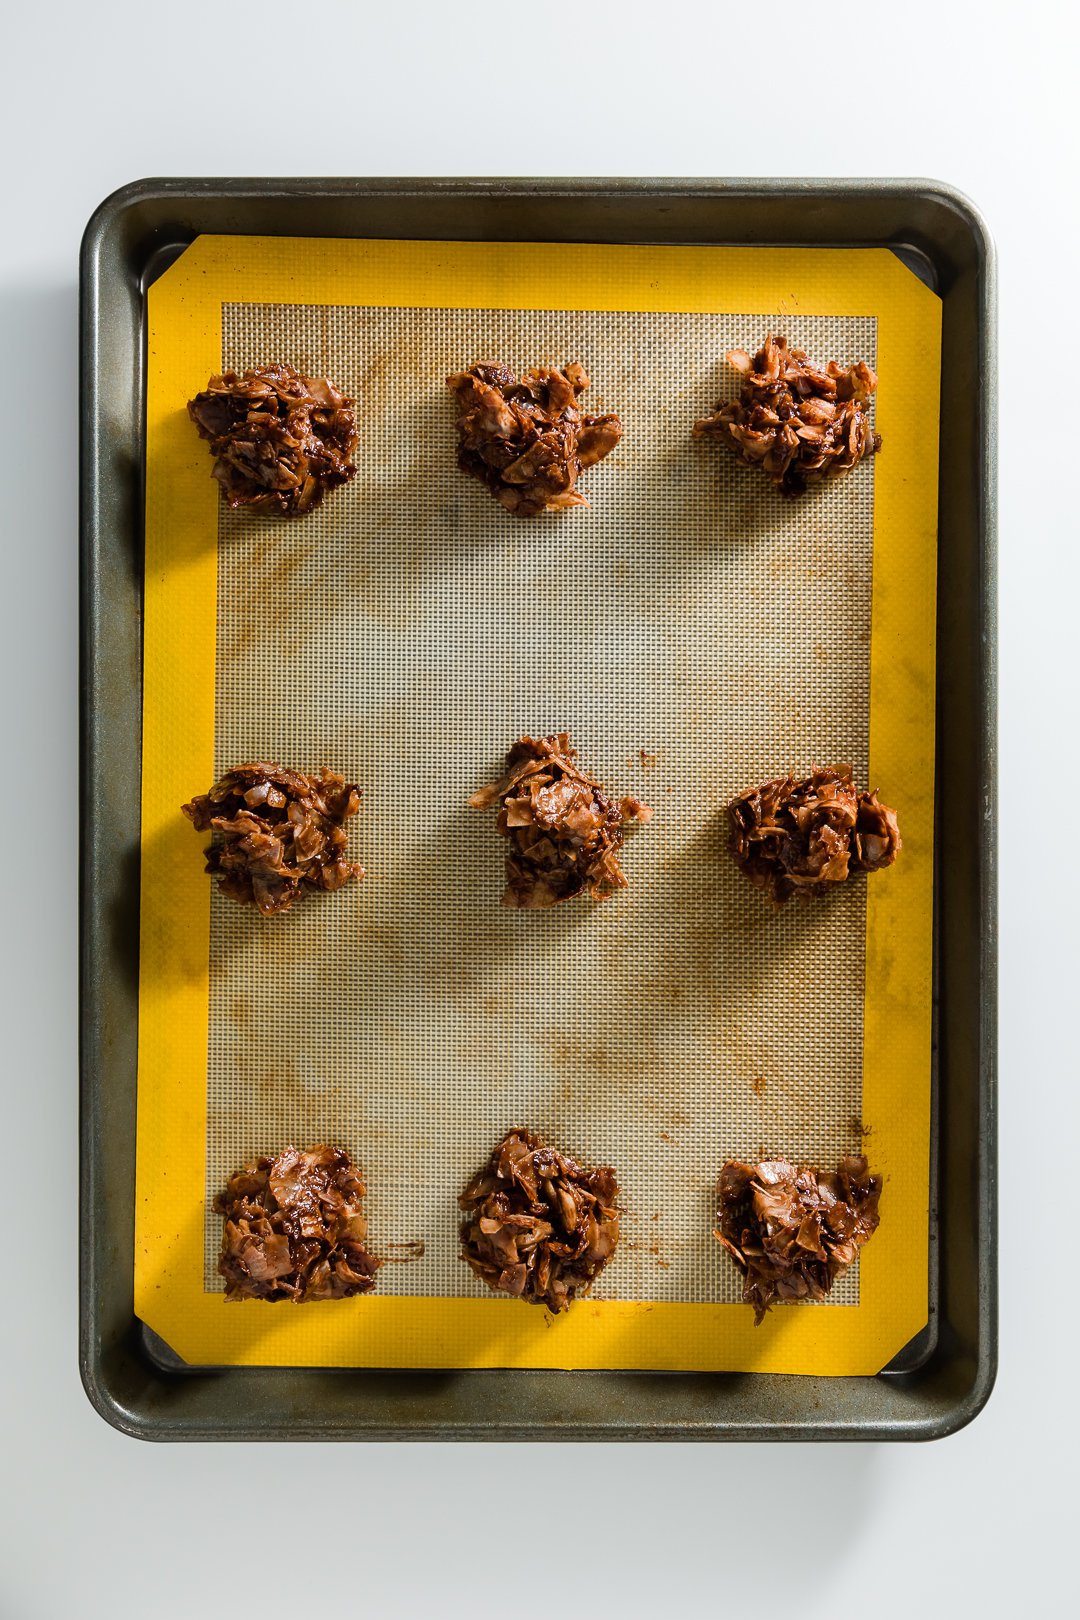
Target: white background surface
981,96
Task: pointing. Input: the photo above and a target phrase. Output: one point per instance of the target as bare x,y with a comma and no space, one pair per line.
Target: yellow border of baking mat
184,348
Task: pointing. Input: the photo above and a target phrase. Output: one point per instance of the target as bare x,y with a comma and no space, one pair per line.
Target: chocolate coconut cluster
799,423
527,439
539,1225
804,835
280,439
278,834
295,1229
564,833
793,1231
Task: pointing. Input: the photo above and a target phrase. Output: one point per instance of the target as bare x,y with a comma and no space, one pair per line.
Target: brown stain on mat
282,1082
382,366
286,566
243,642
653,1250
240,1009
414,1248
283,587
387,939
568,1051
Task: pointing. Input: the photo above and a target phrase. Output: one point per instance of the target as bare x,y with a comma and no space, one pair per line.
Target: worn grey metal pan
943,1379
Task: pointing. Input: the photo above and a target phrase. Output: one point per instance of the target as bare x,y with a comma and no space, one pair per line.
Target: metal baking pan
942,1380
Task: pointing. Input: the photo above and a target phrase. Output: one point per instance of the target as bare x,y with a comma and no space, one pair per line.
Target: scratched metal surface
406,634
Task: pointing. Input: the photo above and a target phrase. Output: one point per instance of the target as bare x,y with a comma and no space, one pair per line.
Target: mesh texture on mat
405,634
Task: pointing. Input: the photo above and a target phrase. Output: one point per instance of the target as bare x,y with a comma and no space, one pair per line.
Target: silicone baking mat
694,632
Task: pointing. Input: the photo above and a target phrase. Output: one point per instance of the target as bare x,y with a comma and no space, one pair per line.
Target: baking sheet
405,634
